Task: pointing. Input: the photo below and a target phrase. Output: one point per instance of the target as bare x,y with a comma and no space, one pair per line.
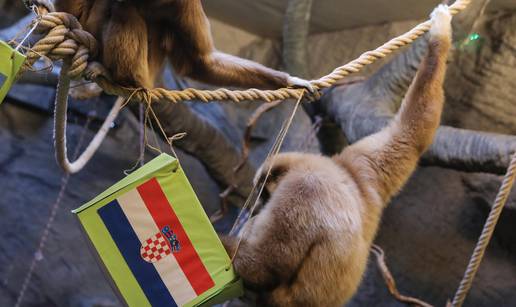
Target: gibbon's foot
95,70
40,3
82,91
441,22
312,93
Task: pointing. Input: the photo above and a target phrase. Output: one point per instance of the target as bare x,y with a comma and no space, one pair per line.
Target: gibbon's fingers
95,70
441,22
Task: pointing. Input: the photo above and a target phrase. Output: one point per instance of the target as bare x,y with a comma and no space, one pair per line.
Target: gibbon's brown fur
309,244
137,37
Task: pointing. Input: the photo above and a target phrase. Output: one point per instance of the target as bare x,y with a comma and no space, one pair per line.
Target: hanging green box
155,242
10,63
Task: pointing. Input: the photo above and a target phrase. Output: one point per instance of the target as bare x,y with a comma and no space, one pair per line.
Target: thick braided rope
58,43
65,38
60,126
487,233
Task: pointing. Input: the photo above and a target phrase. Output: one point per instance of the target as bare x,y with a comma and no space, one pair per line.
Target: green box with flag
10,63
155,241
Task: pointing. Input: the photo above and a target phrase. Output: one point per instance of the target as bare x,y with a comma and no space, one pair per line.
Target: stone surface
10,11
428,234
481,83
265,17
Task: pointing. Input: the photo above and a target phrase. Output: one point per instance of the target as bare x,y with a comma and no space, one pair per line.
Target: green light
474,37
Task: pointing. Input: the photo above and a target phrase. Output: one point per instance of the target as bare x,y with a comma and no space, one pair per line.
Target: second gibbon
310,243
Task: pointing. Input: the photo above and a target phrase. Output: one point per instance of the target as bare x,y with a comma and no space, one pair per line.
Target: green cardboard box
155,241
10,63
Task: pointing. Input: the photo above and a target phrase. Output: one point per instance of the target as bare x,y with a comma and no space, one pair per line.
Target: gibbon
309,244
136,37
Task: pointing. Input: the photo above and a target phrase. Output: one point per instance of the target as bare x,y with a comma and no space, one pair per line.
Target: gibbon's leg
194,55
386,159
125,47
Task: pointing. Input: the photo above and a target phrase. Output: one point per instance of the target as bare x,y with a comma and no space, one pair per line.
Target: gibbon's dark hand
312,94
95,70
296,82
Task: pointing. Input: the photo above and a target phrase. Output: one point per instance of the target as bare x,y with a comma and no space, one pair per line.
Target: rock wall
481,83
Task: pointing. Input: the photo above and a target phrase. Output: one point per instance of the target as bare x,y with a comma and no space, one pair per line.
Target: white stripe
144,226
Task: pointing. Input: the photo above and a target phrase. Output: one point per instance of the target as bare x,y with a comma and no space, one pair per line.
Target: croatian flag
150,237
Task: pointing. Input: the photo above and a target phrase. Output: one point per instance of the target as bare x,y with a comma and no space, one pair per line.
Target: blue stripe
129,245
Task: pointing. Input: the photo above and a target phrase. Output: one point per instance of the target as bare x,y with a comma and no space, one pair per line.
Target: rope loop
65,39
60,126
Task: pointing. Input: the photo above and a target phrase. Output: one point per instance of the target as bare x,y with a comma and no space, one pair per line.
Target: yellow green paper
10,63
175,185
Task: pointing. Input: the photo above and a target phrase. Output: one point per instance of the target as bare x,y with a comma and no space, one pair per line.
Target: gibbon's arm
194,44
226,70
389,157
262,264
250,263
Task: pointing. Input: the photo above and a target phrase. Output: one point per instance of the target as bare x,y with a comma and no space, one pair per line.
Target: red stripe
163,214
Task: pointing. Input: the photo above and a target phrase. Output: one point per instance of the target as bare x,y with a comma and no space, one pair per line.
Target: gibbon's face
278,171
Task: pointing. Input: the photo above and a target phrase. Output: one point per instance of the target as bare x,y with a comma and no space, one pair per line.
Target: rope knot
144,95
85,39
65,39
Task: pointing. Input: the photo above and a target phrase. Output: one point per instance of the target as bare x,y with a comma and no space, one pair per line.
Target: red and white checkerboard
155,248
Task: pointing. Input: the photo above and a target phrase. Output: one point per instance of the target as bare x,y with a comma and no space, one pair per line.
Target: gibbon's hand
441,22
312,93
40,3
95,70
